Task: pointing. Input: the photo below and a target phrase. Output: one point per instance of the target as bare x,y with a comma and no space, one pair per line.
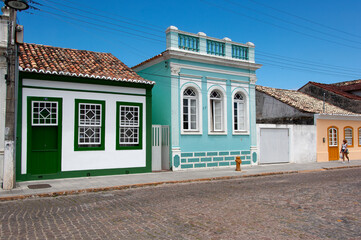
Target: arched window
332,137
239,116
348,131
216,111
190,110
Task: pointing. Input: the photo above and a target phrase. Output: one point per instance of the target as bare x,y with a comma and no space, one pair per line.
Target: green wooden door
44,135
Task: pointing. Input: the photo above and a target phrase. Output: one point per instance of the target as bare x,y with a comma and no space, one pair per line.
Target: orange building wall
322,147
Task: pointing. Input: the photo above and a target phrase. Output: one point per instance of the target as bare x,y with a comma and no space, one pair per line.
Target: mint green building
205,93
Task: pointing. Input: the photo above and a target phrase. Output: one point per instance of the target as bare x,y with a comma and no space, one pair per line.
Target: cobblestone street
317,205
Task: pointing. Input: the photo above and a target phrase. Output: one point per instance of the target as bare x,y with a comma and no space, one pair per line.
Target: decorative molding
253,79
182,75
356,117
239,81
86,76
207,69
217,79
174,70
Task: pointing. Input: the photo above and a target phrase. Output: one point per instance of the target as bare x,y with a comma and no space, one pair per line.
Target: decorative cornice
61,73
189,75
353,117
211,59
207,69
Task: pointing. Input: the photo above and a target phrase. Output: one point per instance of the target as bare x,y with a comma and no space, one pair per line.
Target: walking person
344,151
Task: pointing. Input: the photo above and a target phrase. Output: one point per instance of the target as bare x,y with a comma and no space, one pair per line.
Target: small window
129,126
332,137
89,124
216,108
44,113
239,116
359,136
349,136
190,110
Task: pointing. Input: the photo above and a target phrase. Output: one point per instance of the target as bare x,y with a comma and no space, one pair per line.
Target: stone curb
139,185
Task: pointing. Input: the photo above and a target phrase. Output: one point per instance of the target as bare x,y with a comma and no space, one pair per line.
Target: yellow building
332,130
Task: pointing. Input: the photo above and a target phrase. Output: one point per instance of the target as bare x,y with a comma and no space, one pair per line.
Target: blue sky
296,41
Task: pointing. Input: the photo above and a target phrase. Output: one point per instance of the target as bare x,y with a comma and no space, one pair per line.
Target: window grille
128,125
44,113
90,123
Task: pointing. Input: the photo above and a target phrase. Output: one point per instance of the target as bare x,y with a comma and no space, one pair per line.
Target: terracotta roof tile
80,63
302,101
341,88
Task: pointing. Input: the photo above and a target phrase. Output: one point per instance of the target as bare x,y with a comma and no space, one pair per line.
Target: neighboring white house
286,126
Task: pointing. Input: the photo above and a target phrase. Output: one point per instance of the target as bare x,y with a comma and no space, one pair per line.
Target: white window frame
50,113
244,94
211,122
348,137
332,137
198,98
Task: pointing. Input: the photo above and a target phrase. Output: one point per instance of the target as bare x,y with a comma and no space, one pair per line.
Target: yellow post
238,163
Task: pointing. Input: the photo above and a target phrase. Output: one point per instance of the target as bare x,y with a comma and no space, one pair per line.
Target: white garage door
274,145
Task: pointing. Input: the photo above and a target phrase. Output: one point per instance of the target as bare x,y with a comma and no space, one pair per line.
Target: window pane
348,136
217,115
129,125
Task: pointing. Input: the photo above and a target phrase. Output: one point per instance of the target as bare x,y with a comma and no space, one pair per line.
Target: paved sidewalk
115,182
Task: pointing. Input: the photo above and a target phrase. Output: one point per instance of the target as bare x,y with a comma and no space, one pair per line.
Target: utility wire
107,17
291,23
293,66
305,19
278,26
108,23
306,62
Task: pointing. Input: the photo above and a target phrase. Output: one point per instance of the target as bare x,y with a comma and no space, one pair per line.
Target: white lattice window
239,119
349,136
128,125
332,137
90,124
44,113
216,107
190,110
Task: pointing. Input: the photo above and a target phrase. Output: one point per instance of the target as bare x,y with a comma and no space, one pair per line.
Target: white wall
3,71
85,160
302,141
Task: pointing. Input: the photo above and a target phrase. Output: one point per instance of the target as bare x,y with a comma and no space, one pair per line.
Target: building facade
298,128
205,92
80,113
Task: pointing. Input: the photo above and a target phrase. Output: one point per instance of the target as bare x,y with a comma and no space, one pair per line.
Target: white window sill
191,132
240,132
217,133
